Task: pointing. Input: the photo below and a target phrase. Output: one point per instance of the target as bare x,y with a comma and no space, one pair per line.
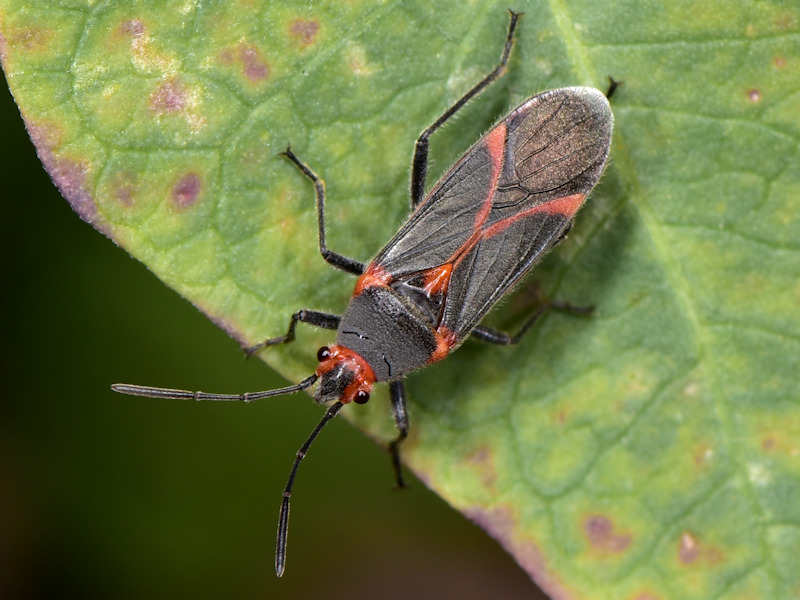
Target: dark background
108,496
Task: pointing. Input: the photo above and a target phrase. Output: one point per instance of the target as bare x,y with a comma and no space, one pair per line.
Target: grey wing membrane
556,149
444,221
556,146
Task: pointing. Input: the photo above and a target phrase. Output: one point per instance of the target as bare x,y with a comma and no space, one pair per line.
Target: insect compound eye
362,397
323,353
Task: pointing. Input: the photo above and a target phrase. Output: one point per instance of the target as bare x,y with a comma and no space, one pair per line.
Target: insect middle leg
419,166
344,263
312,317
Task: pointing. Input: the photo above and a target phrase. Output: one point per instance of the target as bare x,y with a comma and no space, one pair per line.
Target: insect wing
556,149
503,204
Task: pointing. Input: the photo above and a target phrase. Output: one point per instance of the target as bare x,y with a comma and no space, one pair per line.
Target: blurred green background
107,496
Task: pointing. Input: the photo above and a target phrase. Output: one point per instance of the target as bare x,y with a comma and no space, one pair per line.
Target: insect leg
312,317
419,166
397,390
501,338
613,84
344,263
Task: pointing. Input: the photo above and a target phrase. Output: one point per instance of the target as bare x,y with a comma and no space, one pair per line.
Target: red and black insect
494,215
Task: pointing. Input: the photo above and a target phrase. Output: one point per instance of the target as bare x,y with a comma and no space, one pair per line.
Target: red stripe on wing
566,206
495,142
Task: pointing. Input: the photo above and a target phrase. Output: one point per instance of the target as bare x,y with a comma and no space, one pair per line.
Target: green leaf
651,451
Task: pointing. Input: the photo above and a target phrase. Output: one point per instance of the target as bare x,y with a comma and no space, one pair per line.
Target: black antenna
155,392
283,520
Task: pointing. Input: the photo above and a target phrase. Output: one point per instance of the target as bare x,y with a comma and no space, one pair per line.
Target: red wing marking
566,206
437,279
496,145
446,339
374,276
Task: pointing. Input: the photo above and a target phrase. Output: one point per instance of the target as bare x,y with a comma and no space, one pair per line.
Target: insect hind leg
501,338
419,166
312,317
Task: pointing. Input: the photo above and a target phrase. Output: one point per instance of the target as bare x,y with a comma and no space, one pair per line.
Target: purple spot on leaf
123,188
601,535
254,65
3,50
68,174
168,97
304,31
501,523
186,190
133,27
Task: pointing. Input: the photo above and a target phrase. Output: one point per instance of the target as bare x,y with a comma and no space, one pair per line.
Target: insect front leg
397,391
419,166
344,263
312,317
501,338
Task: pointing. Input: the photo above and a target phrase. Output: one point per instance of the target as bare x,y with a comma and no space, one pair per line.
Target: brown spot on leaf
702,454
690,551
645,596
782,442
303,31
254,66
602,536
754,95
779,62
687,548
69,174
502,524
30,39
169,97
226,56
186,190
786,21
482,460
